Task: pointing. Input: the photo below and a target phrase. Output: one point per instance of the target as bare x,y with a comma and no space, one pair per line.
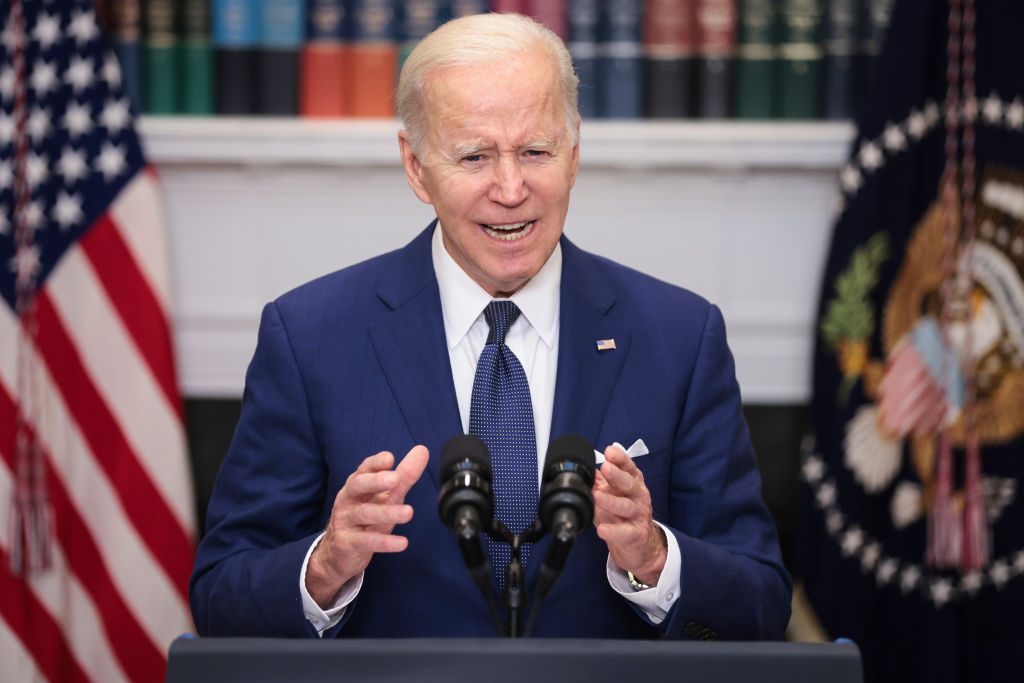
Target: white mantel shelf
739,212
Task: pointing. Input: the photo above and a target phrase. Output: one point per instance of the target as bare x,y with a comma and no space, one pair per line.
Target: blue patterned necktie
501,414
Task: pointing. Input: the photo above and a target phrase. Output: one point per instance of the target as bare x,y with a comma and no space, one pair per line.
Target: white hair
476,40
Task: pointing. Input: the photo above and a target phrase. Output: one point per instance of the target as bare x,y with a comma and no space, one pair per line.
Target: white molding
739,212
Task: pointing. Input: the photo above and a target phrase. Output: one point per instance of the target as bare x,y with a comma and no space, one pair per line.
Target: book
840,46
756,73
553,14
125,29
463,8
670,38
373,59
872,23
282,32
418,18
196,68
160,71
800,60
582,44
716,50
236,30
323,63
620,63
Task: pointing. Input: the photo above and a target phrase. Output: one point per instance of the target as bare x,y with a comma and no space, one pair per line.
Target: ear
413,168
576,154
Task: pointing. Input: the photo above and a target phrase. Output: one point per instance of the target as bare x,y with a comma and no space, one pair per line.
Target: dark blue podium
259,660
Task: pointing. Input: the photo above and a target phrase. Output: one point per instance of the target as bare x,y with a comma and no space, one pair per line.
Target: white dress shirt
533,338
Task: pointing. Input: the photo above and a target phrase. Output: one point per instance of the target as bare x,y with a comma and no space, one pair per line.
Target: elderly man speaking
490,322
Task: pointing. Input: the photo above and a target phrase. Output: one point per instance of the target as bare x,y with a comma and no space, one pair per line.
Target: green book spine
195,54
160,57
755,60
800,60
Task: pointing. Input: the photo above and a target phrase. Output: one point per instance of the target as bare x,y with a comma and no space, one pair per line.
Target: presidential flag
912,531
96,506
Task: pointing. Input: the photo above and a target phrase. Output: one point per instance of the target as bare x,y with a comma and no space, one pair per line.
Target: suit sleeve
733,584
267,505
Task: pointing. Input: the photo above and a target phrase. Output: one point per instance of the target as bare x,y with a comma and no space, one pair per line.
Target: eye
473,158
536,153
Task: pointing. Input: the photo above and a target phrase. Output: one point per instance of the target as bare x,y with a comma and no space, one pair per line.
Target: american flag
96,507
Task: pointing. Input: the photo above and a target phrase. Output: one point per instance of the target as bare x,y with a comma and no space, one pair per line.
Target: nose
509,184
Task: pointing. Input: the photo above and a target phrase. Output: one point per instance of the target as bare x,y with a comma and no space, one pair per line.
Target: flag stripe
31,623
129,292
155,601
139,656
18,663
138,213
147,509
121,377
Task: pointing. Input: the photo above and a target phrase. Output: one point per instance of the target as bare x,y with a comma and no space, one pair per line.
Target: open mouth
509,232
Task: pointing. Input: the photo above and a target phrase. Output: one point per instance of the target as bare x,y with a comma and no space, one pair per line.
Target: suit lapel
410,345
586,376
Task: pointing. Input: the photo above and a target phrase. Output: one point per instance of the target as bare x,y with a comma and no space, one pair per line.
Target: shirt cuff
657,600
320,619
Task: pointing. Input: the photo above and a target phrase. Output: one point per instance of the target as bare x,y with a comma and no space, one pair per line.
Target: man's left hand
624,518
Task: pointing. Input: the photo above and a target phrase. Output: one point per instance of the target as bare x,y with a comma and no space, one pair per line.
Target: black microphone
566,506
565,509
466,506
466,501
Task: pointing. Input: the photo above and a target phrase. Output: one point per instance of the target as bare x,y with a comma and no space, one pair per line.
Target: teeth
506,232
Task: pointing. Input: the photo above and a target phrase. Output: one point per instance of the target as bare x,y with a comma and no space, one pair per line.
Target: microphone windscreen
464,447
570,448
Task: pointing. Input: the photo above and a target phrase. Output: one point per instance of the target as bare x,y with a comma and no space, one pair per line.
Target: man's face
497,166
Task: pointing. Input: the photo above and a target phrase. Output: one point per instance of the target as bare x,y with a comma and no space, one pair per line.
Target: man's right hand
365,511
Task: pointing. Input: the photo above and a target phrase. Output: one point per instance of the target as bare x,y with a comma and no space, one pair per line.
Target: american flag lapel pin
605,344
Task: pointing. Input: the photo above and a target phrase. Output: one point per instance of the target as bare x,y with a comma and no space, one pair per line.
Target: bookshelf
739,212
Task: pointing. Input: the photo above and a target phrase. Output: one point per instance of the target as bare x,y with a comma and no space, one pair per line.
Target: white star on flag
942,591
7,82
44,78
36,170
68,210
850,178
47,30
917,125
5,224
992,110
33,215
83,27
79,73
834,520
853,539
870,156
77,119
25,263
999,573
116,116
869,557
1015,115
7,127
6,176
813,469
38,125
111,70
972,582
895,140
909,578
111,161
886,570
72,165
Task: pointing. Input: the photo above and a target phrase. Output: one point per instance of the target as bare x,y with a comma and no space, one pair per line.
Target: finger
368,542
624,509
377,463
619,457
619,482
411,468
372,515
365,484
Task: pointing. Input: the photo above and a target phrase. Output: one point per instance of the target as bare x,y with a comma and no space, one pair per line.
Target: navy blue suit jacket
356,362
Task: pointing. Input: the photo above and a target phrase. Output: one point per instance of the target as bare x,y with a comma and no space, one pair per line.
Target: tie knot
500,315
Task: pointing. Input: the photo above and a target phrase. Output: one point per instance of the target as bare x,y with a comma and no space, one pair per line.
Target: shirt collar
463,300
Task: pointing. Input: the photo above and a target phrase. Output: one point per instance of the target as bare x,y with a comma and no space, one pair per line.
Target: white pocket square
635,451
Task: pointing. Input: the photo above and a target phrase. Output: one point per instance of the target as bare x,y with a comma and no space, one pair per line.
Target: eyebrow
471,148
